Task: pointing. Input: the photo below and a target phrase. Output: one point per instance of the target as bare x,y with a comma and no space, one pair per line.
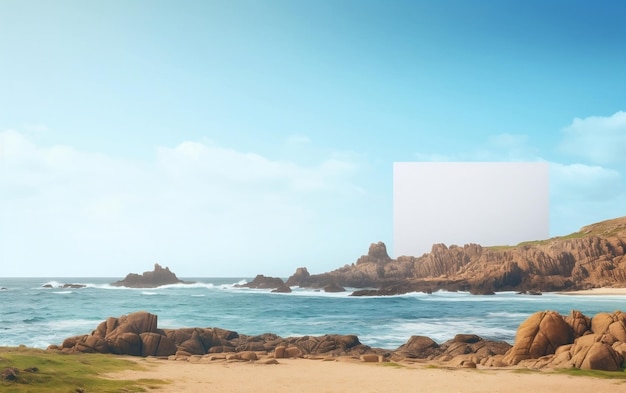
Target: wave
53,284
444,329
504,314
149,293
72,324
62,292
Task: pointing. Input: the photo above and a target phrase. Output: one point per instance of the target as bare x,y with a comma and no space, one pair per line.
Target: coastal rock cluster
278,285
137,334
592,257
545,340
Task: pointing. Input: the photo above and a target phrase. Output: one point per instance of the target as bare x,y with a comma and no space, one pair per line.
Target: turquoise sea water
37,317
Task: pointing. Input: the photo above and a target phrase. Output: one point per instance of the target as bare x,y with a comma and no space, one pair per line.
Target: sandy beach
316,376
597,292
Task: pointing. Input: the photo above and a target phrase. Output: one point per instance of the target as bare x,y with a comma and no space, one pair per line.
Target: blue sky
241,137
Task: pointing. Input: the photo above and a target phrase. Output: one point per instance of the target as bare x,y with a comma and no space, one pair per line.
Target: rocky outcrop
137,334
592,257
540,335
334,287
544,340
265,282
156,278
547,340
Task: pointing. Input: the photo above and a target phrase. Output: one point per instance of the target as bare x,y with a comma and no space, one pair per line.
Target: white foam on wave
52,283
149,293
504,314
444,329
62,292
71,324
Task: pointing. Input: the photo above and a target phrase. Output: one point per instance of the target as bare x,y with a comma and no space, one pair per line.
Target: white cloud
211,209
585,182
503,147
599,139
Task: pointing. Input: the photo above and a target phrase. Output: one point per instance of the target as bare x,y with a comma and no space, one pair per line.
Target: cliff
591,257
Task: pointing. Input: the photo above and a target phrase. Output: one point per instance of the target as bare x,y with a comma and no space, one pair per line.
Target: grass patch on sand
392,365
592,373
61,373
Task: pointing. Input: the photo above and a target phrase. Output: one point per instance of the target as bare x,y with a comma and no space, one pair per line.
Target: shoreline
608,291
345,375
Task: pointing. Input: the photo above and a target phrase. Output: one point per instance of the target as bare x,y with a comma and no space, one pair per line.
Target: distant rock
74,286
334,287
156,278
299,278
264,282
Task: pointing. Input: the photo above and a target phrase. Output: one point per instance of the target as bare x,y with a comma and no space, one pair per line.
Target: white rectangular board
489,203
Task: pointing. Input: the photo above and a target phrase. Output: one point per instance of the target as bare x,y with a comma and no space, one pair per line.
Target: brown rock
580,323
590,353
541,334
370,358
299,278
126,344
156,278
467,338
154,344
293,352
279,352
264,282
419,347
334,287
193,345
248,356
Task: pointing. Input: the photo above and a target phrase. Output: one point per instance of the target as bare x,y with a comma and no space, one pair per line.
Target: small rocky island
156,278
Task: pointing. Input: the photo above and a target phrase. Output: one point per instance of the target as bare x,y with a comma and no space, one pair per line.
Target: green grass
62,373
592,373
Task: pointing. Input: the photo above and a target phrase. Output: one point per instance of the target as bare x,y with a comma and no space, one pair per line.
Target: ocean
37,317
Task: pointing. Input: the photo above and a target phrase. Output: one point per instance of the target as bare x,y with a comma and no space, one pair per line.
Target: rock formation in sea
264,282
545,340
156,278
592,257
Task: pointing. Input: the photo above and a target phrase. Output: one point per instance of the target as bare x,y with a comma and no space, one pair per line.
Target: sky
230,138
486,203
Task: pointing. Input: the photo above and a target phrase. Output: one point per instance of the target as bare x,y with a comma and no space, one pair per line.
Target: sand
597,291
316,376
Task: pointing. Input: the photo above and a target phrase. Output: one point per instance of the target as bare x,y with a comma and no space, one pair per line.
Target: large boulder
614,324
580,323
541,334
155,344
418,347
590,352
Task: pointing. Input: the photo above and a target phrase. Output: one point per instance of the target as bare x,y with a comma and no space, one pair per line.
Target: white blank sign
489,203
